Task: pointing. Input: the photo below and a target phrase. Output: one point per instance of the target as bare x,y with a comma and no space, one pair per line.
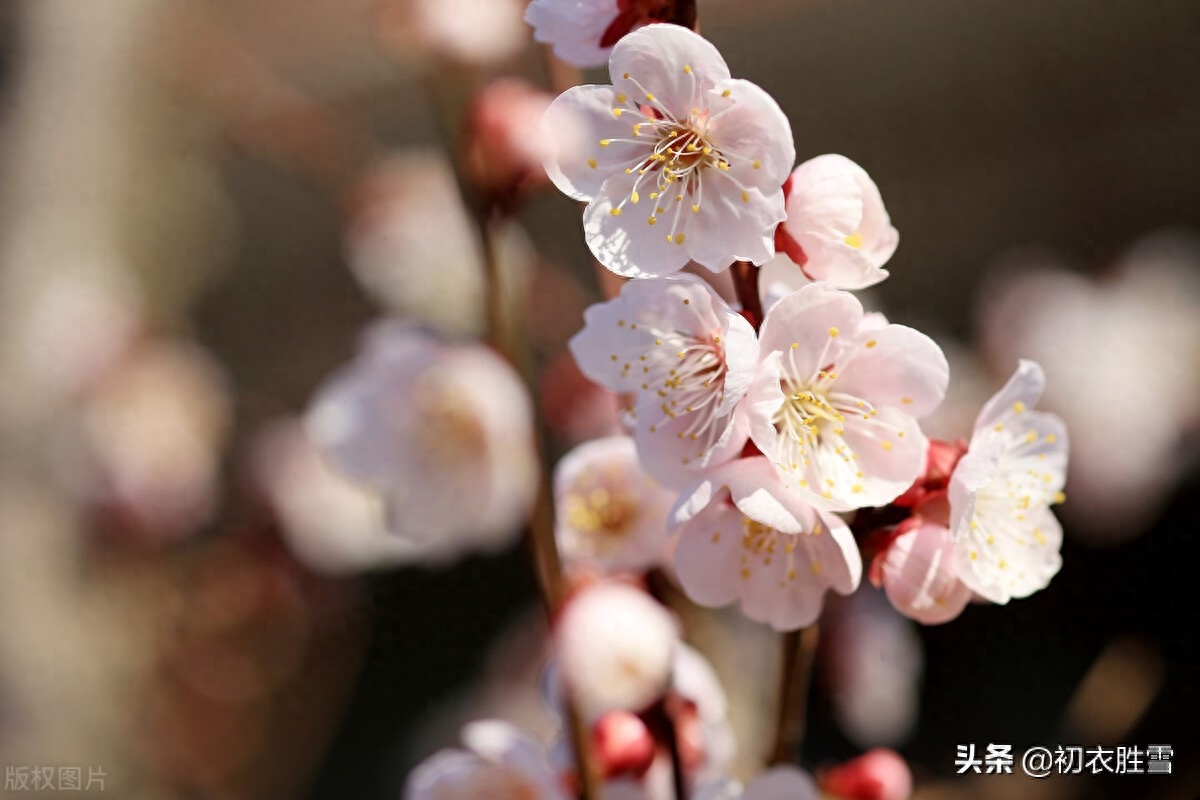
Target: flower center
603,510
679,154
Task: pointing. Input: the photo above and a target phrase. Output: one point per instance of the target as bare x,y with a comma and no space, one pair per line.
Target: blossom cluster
769,445
788,420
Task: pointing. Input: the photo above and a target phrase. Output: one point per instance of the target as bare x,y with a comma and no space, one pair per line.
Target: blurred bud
875,670
505,148
623,744
442,432
615,646
152,434
875,775
469,32
411,244
500,761
575,408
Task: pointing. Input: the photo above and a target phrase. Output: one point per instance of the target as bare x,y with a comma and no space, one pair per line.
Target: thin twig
745,283
799,652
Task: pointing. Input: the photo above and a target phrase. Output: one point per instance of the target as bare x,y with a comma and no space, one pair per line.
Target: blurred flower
616,647
1006,539
1093,336
412,246
500,762
80,325
837,397
331,524
744,536
876,661
504,146
689,359
836,229
583,32
442,431
152,433
471,32
708,154
875,775
780,783
610,512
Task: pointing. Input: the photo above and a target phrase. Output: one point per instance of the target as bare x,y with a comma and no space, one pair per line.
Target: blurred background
203,203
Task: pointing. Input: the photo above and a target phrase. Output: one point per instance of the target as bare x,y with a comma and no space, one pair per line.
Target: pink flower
610,513
500,761
780,783
442,432
837,397
918,573
744,537
836,229
687,357
1006,539
583,32
616,648
676,161
504,148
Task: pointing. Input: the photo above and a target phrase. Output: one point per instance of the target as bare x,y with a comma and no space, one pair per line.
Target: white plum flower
687,356
616,648
443,432
744,537
837,229
1006,538
676,160
501,762
919,576
780,783
837,397
610,512
582,32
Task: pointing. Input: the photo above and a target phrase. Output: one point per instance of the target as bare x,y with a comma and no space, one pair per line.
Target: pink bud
623,744
878,774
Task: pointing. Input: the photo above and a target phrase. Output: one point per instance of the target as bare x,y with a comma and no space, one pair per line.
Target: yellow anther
687,69
616,212
871,344
854,240
757,164
906,400
651,220
1051,438
696,209
833,332
621,98
726,93
1018,407
634,198
605,142
592,163
1060,497
617,112
745,196
679,238
649,97
887,445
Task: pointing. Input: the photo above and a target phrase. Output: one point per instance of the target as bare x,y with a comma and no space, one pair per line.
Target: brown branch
745,283
799,652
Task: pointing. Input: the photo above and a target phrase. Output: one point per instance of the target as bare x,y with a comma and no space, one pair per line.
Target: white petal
627,243
919,576
572,129
750,128
732,225
654,57
896,366
1023,390
706,556
805,318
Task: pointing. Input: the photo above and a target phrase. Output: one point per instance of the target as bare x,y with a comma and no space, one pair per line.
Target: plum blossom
836,229
837,397
780,783
443,432
616,648
676,160
744,537
583,32
1093,334
331,524
1006,539
689,360
476,33
501,762
918,574
610,513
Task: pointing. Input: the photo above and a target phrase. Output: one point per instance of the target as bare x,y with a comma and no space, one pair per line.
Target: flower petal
626,242
750,129
572,129
732,224
655,57
896,366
